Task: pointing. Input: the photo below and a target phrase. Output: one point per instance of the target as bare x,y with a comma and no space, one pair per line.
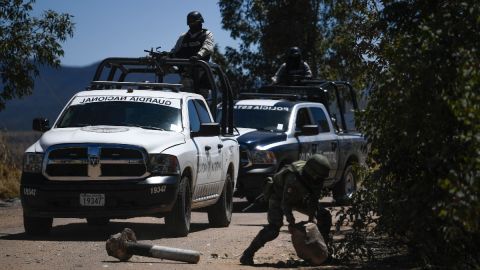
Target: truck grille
95,162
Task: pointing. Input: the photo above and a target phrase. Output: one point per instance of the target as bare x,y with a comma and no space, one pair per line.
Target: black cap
194,17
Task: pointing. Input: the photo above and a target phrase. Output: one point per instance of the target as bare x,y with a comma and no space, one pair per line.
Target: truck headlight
162,164
32,162
262,157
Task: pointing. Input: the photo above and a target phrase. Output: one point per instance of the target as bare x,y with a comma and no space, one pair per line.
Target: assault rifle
258,200
264,196
157,53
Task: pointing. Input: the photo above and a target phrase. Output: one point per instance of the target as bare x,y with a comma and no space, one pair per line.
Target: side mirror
308,130
41,124
207,130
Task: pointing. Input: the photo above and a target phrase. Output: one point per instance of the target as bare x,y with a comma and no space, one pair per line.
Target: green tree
327,31
423,125
266,30
27,42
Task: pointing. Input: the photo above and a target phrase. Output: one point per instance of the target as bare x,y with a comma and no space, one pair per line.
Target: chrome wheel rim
349,184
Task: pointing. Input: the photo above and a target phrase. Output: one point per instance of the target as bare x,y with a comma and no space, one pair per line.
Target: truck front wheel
37,225
344,189
220,214
178,220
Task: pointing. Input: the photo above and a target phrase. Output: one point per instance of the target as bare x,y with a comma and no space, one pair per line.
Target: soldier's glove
194,58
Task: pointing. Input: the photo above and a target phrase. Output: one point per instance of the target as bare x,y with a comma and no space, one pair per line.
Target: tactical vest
298,71
191,45
278,182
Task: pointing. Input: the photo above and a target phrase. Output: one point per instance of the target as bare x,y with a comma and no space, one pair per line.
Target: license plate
89,199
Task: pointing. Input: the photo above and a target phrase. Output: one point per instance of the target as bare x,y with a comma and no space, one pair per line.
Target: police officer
293,66
296,186
197,43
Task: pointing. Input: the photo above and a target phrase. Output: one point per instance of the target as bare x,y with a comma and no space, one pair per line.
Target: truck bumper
252,180
122,199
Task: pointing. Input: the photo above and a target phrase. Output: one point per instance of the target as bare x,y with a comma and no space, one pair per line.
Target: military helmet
194,17
317,166
294,52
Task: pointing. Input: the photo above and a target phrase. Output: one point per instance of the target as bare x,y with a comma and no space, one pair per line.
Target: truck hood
243,131
153,141
256,138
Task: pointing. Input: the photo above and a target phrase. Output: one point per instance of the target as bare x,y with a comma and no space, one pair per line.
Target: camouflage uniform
291,190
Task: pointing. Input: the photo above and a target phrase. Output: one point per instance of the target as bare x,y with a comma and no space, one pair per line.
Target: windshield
136,114
267,118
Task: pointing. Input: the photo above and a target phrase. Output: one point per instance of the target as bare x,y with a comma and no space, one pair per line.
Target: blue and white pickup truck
281,124
127,149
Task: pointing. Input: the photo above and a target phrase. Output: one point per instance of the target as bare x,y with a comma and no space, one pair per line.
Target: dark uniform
294,66
197,43
295,187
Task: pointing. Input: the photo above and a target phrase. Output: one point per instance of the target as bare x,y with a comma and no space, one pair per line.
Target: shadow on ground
246,207
81,231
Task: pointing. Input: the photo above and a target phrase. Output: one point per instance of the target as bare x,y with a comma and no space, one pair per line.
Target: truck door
326,141
306,149
209,148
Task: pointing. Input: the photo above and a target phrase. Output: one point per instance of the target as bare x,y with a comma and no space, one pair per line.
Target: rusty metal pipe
124,245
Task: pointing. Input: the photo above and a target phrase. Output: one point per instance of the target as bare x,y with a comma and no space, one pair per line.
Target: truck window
266,118
320,119
193,117
333,108
348,107
137,114
202,111
303,118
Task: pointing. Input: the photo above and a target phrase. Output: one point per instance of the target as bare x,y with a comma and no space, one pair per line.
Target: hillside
53,88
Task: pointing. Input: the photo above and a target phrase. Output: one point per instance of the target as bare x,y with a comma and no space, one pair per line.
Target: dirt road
73,244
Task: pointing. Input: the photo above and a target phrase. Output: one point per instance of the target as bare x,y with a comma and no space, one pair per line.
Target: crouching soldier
296,187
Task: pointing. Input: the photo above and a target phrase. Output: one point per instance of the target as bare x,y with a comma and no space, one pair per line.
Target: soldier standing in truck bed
296,187
197,43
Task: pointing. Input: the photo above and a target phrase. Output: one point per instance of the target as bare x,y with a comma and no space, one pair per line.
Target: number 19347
158,189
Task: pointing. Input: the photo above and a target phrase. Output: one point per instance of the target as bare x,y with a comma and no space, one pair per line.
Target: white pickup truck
151,149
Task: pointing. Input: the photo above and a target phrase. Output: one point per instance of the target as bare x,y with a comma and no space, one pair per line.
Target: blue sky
121,28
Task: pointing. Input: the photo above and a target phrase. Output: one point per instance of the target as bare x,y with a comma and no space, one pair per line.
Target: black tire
178,220
344,189
98,221
220,214
37,225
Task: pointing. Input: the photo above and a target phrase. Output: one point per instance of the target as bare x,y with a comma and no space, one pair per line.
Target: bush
423,124
9,173
9,182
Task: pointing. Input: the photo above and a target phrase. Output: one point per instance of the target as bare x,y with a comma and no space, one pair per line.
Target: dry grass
9,181
9,169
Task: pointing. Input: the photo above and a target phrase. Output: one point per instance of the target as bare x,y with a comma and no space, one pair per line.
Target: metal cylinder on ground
124,244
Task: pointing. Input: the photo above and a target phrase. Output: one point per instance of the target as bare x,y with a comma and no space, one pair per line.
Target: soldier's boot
324,223
247,256
268,233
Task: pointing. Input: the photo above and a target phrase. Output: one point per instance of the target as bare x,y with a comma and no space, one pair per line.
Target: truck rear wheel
178,220
344,189
37,225
220,214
